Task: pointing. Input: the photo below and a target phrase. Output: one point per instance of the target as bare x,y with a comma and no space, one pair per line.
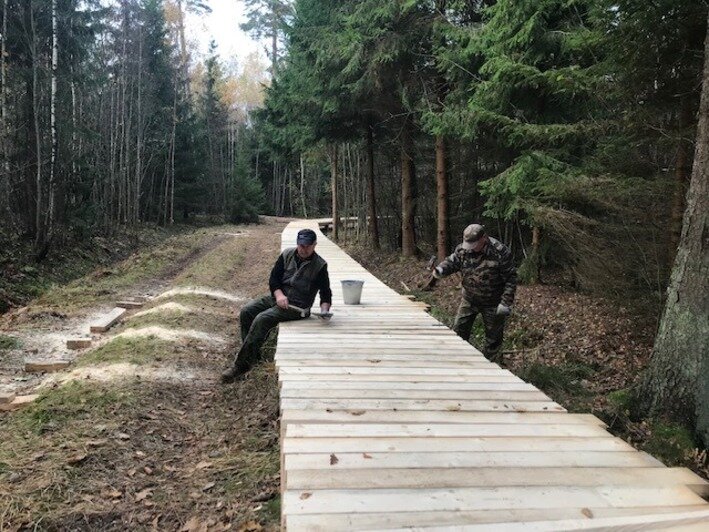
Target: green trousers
494,327
257,319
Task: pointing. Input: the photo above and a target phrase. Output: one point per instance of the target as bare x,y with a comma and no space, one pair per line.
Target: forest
568,127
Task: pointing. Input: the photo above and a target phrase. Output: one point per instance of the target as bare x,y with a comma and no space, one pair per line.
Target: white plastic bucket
352,291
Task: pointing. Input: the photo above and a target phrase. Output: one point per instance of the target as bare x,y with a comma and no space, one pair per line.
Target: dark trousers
494,327
257,319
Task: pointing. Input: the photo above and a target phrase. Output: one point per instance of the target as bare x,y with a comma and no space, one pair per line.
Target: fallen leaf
96,443
204,465
333,459
143,494
305,495
140,454
368,456
358,412
194,525
588,513
250,526
208,486
453,408
122,436
77,459
264,496
148,470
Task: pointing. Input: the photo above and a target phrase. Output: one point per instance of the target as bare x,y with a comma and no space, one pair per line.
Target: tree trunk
302,186
677,379
408,234
373,223
333,181
4,137
442,199
682,175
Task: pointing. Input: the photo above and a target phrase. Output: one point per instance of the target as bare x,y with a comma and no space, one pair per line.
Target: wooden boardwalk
389,421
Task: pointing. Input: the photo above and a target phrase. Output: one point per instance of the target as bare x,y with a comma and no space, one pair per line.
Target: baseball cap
306,237
472,234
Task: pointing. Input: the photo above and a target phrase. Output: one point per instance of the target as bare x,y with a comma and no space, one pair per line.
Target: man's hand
281,299
325,313
503,310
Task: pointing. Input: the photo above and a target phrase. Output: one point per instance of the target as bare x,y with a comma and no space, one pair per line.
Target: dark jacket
301,279
489,277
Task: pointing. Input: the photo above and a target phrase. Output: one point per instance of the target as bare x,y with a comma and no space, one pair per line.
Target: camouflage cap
472,234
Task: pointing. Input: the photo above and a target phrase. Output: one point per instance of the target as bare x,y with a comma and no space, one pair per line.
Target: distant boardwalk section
389,421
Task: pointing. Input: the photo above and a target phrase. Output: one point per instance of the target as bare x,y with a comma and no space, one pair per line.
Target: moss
622,402
8,342
271,510
671,443
140,350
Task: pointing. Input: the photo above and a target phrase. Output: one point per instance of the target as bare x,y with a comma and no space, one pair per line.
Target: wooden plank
447,444
78,343
501,405
129,304
282,358
358,384
7,397
500,377
108,320
427,417
389,478
499,430
463,459
18,402
413,519
492,371
45,366
457,499
374,361
425,395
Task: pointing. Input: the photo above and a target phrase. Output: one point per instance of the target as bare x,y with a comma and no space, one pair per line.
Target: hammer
304,313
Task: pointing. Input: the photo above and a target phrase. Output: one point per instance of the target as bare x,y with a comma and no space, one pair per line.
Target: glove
503,310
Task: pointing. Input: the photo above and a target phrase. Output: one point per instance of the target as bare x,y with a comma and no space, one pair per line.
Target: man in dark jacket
298,275
489,282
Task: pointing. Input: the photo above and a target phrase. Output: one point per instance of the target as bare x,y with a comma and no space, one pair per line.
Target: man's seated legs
260,322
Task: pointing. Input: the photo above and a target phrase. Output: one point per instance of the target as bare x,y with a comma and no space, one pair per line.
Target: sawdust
171,335
204,291
164,308
122,370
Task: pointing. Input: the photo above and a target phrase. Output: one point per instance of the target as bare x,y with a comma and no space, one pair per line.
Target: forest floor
138,433
586,352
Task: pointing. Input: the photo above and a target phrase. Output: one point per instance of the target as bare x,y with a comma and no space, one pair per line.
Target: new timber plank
427,417
463,459
413,519
425,395
490,476
370,430
501,498
510,405
108,320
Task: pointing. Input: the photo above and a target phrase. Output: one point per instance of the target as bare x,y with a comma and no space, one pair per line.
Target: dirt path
138,433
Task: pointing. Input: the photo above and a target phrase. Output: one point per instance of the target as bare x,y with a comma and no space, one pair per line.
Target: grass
562,378
214,268
139,350
9,342
106,283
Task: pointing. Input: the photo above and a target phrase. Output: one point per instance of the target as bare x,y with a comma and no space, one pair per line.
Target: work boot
232,374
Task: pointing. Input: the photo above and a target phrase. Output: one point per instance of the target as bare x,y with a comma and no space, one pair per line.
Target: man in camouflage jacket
296,278
489,283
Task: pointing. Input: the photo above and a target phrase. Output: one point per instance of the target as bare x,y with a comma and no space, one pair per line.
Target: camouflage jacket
489,277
